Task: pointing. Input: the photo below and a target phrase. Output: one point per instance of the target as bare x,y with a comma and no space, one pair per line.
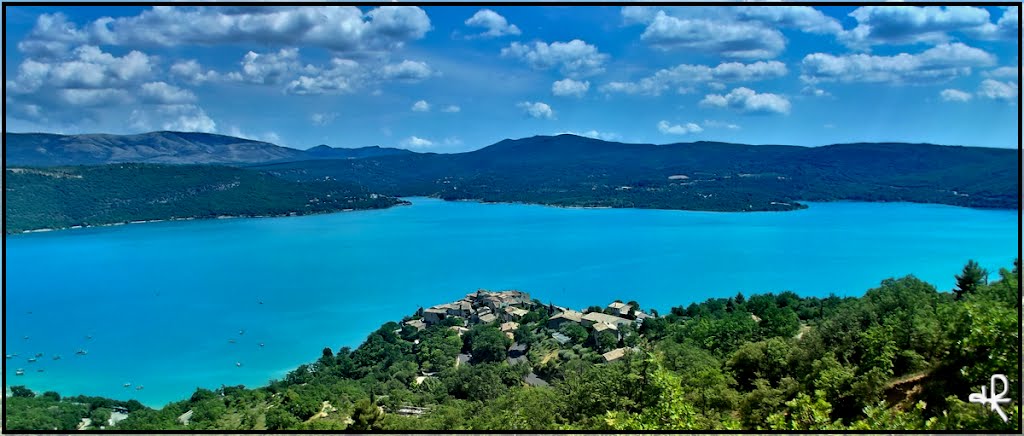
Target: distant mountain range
43,149
568,170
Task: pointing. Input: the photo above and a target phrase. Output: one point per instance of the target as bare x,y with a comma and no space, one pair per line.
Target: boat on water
81,352
127,385
39,354
40,370
139,387
8,356
238,364
19,372
231,341
32,360
261,345
57,357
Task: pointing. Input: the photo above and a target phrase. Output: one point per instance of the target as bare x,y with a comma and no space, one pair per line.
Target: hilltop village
610,331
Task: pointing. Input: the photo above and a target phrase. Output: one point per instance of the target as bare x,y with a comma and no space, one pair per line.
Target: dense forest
61,197
903,356
569,170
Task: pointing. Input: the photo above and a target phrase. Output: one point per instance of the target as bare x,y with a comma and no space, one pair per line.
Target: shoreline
219,217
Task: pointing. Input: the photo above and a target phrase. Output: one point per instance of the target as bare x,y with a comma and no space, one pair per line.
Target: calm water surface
164,301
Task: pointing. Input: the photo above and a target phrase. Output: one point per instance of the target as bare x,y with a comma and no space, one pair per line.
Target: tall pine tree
968,281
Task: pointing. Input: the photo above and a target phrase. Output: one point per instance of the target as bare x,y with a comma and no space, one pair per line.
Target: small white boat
139,388
261,345
19,372
127,385
32,360
238,364
81,352
8,356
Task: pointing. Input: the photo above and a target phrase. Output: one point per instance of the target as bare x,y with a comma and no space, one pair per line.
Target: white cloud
337,28
269,68
684,76
163,93
574,58
192,72
815,92
1004,73
537,110
495,24
955,95
749,101
407,71
183,118
416,142
340,77
910,24
421,106
996,90
322,118
570,88
87,67
734,39
714,124
678,129
451,109
937,64
878,25
604,136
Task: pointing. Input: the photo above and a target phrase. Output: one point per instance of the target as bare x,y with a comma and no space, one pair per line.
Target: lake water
162,301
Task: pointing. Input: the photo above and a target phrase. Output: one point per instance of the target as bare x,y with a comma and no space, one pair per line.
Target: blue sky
450,79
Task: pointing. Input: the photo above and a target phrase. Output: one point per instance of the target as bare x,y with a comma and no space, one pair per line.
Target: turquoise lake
162,301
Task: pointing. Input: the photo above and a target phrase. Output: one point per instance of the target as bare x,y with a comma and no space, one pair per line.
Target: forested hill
569,170
61,197
42,149
901,357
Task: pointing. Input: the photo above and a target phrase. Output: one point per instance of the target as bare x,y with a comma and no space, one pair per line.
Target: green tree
100,417
488,344
575,332
280,419
804,413
968,281
22,392
366,416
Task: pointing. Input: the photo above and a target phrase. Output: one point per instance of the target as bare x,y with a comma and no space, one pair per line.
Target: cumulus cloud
570,88
747,100
192,72
937,64
1004,73
955,95
421,106
678,129
322,118
929,24
407,71
734,39
87,67
269,68
996,90
495,24
337,28
163,93
184,118
341,76
714,124
416,142
537,110
685,76
573,59
451,109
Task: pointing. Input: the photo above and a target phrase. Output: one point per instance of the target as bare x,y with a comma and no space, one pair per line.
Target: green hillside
60,197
